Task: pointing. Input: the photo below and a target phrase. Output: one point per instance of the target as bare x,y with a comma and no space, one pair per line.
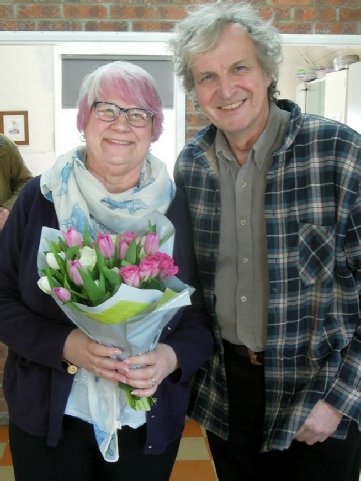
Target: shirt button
244,184
150,446
243,298
244,260
243,222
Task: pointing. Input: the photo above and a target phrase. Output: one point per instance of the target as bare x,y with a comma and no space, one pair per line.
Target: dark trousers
77,456
239,459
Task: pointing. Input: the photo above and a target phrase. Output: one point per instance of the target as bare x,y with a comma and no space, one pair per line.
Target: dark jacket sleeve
36,385
191,339
24,307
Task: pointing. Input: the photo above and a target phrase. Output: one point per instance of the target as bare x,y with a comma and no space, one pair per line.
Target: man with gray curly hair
275,201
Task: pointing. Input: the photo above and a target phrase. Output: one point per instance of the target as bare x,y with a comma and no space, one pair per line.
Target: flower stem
135,402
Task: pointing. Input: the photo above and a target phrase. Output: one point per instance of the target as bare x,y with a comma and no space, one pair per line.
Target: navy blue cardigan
36,385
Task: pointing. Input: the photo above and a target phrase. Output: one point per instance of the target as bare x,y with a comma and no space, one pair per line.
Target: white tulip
51,261
88,258
44,285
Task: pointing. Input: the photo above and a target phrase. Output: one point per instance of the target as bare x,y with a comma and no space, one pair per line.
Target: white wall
27,84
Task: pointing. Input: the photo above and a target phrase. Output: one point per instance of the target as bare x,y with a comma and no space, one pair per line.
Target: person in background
275,202
13,176
120,114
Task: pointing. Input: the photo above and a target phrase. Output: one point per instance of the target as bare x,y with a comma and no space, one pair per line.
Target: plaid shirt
313,222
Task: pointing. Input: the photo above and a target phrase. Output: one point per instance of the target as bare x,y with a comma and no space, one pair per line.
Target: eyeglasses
110,112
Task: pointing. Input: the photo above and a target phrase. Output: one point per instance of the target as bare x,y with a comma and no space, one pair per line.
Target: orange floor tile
193,463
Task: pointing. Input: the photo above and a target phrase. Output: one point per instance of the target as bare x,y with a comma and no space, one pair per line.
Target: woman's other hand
83,352
156,365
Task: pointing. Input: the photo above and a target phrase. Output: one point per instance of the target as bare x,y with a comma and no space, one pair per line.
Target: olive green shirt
242,283
13,172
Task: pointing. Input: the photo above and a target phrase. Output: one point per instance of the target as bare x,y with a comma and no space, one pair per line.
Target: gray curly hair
199,32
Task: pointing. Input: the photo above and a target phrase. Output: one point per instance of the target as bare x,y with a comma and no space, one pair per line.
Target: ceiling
316,56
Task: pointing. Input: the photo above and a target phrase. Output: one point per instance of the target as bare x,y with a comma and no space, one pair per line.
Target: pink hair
133,83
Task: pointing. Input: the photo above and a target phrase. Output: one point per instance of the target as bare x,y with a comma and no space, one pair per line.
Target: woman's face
116,148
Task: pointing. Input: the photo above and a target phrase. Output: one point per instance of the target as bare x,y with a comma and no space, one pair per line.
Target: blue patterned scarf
80,198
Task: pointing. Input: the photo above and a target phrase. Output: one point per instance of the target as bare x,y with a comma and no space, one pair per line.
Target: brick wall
337,17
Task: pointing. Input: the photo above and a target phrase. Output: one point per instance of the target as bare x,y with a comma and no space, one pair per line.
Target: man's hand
321,423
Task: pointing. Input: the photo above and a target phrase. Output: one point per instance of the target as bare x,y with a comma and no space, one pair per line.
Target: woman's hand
156,365
81,351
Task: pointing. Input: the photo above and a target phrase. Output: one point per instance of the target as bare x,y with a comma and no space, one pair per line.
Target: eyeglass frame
149,117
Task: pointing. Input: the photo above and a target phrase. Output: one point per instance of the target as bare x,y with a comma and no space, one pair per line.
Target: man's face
231,88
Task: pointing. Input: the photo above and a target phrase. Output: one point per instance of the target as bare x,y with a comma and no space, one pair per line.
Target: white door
336,95
354,97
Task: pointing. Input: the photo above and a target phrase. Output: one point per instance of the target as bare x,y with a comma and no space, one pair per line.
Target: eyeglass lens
110,112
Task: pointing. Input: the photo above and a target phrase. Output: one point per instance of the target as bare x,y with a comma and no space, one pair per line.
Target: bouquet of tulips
121,290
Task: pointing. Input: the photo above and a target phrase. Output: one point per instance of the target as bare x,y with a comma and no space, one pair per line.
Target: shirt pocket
316,248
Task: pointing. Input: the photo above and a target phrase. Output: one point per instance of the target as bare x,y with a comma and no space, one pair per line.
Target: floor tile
192,429
193,448
193,471
2,449
6,459
6,473
4,433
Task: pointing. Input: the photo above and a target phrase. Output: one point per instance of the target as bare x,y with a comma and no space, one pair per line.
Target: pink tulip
62,294
169,271
106,245
123,248
166,265
130,275
72,237
127,237
74,273
148,267
151,243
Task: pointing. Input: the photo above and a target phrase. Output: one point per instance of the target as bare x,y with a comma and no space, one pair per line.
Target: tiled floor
6,470
193,462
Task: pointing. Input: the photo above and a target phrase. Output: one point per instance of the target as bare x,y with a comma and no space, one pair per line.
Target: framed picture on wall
15,126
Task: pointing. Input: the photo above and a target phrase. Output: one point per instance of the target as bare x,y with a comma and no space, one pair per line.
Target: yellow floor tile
2,449
6,473
193,449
